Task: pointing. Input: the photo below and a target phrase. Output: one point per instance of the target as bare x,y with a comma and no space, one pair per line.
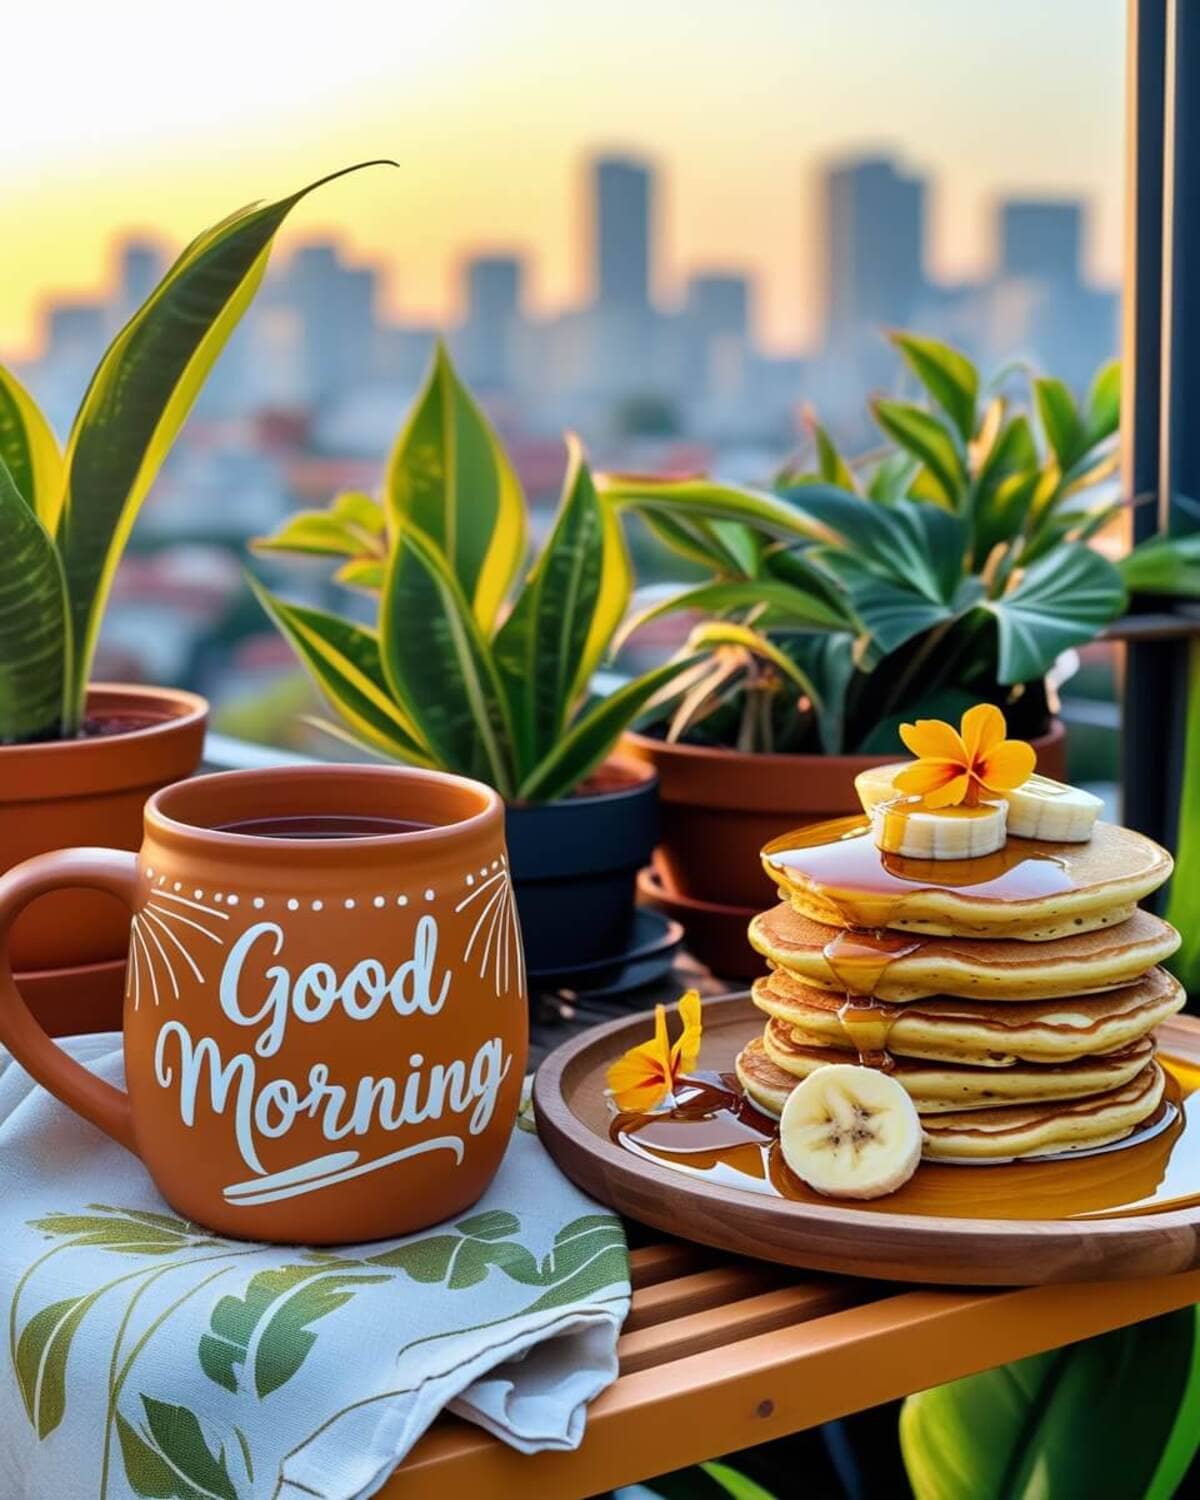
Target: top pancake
1031,890
993,969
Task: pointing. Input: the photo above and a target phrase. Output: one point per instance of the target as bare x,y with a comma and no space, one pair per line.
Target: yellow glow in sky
137,114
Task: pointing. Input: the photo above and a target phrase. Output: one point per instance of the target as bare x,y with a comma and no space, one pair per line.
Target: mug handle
109,870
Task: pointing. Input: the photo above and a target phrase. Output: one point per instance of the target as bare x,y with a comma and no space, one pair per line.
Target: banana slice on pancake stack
974,940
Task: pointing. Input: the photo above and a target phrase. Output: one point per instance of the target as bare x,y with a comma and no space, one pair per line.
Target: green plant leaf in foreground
33,622
1113,1416
949,377
138,399
353,526
169,1458
927,439
1164,565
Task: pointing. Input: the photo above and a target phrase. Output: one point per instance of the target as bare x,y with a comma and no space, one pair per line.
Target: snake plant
465,668
66,516
960,555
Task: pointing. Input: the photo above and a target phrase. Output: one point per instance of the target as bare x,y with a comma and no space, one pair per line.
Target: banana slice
850,1132
906,826
1040,809
1046,809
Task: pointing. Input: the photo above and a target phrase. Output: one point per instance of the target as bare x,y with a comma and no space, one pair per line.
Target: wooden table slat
654,1263
779,1381
730,1282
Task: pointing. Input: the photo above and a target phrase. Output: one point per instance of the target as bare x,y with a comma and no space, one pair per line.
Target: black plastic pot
575,863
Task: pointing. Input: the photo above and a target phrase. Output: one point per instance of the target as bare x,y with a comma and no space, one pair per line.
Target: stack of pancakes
1019,1027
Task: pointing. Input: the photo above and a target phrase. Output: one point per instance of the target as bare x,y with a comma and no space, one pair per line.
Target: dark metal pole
1152,710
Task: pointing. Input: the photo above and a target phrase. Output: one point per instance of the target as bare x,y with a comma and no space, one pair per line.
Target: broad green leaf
707,500
439,667
594,733
616,587
1080,1423
1183,902
1164,565
947,704
949,377
786,604
1102,409
344,661
169,1458
41,1359
892,611
449,476
1060,420
920,433
364,573
832,467
1001,511
127,1231
686,539
265,1333
353,526
138,400
828,662
891,478
30,450
1060,601
539,647
739,1486
34,624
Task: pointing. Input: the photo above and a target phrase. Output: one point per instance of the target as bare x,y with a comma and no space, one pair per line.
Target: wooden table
720,1353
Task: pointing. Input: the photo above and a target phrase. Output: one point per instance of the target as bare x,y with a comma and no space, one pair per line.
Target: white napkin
153,1359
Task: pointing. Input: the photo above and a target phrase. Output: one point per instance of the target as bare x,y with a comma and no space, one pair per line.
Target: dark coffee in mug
323,826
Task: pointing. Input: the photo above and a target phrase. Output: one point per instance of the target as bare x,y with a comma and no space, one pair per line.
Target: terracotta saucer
716,934
67,1002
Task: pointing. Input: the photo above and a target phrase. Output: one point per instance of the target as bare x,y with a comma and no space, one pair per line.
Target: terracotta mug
325,1035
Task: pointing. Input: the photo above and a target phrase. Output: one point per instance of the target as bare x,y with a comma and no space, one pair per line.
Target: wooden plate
573,1122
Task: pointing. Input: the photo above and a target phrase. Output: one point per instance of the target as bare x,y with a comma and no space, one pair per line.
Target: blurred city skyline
491,112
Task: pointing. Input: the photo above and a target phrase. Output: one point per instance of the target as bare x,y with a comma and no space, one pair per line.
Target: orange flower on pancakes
956,766
648,1073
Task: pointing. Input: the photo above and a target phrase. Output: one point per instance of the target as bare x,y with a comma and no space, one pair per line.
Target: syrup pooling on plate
714,1134
868,886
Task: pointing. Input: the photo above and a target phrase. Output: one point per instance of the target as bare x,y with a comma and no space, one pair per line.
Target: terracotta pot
325,1036
91,791
716,934
575,863
719,807
67,1002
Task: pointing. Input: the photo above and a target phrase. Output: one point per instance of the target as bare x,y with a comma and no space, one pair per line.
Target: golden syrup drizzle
714,1133
840,863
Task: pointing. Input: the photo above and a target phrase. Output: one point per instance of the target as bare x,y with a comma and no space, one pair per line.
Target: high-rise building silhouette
718,304
1041,237
874,244
140,267
493,293
622,219
335,307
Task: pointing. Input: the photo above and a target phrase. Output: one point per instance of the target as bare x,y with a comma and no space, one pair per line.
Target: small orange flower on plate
649,1072
956,766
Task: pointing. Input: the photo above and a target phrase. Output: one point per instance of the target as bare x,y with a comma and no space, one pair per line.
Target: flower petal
934,739
640,1078
926,776
949,795
687,1049
1007,765
983,727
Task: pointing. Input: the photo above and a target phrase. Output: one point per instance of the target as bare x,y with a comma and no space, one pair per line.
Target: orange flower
956,766
646,1074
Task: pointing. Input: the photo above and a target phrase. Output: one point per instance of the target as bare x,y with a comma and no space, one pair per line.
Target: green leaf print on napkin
589,1254
462,1258
41,1360
266,1331
168,1458
129,1231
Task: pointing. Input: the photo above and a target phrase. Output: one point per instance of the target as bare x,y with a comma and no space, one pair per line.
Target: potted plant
959,561
77,758
465,670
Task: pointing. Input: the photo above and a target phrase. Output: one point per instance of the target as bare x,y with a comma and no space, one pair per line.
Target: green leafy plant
958,557
1114,1415
461,670
66,516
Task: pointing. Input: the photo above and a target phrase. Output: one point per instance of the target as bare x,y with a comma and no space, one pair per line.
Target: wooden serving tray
573,1118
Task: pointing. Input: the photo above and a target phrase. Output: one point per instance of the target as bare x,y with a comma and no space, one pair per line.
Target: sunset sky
137,114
